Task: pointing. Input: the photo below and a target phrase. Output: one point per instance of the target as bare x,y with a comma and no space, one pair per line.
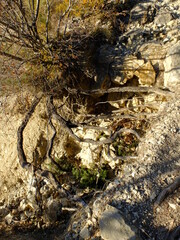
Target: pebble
166,40
74,226
172,205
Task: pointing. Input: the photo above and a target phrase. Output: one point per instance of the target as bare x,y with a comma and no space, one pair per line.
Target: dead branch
50,144
132,116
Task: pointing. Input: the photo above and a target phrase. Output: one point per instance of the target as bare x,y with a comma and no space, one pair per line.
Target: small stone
3,212
157,210
53,210
166,40
162,19
85,233
173,206
8,218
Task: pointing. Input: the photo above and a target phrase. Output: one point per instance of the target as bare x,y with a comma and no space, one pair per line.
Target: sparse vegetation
90,177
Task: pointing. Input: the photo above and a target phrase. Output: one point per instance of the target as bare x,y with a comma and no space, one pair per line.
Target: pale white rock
172,205
172,68
89,153
22,205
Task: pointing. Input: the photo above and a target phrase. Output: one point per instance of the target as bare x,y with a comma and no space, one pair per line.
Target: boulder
113,226
155,53
85,233
163,18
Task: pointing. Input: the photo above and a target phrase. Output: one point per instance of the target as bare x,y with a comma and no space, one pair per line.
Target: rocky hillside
128,103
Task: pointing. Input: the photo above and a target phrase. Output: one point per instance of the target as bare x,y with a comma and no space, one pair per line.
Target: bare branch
37,12
47,21
11,56
62,16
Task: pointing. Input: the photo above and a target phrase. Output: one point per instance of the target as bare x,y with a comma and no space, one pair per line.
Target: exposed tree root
21,155
67,126
174,235
167,191
158,91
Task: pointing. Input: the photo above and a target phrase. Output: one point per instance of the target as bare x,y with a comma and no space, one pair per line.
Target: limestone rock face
146,74
127,68
172,68
132,66
155,53
140,12
113,226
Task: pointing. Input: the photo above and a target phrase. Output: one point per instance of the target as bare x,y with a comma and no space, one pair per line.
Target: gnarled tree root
167,191
21,155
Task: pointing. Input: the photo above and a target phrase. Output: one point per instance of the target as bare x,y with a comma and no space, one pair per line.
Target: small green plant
66,169
125,146
89,177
